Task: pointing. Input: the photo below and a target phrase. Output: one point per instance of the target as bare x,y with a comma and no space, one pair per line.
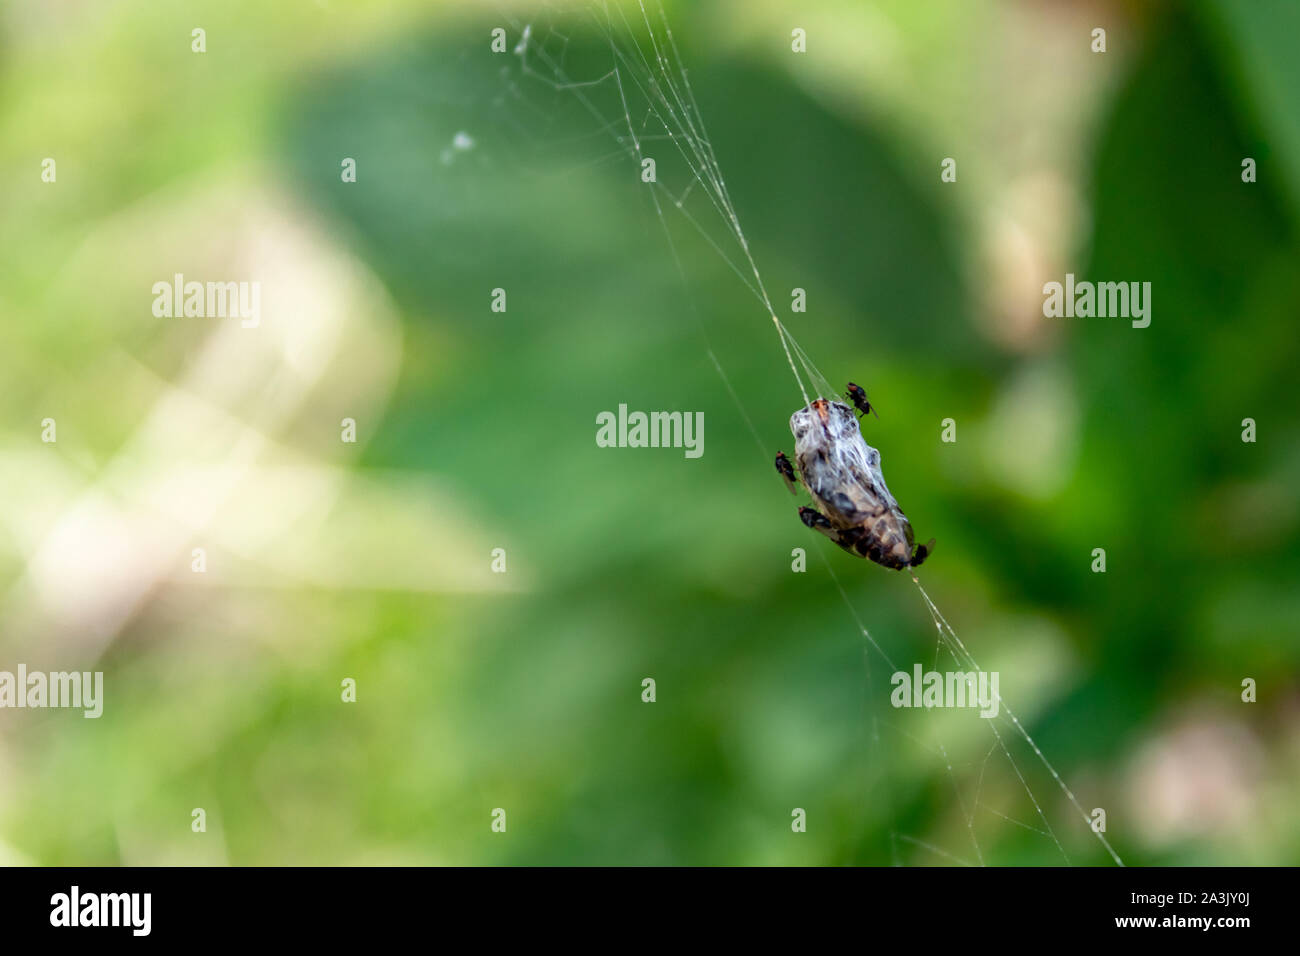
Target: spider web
641,99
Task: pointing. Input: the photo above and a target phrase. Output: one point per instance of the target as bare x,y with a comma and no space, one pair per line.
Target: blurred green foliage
646,564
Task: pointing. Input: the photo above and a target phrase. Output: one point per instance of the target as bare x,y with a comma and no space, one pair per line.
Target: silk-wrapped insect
852,504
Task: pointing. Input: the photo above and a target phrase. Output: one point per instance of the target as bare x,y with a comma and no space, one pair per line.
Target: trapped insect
853,506
858,395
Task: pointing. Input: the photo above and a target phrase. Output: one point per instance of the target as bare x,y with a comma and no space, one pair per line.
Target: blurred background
372,561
